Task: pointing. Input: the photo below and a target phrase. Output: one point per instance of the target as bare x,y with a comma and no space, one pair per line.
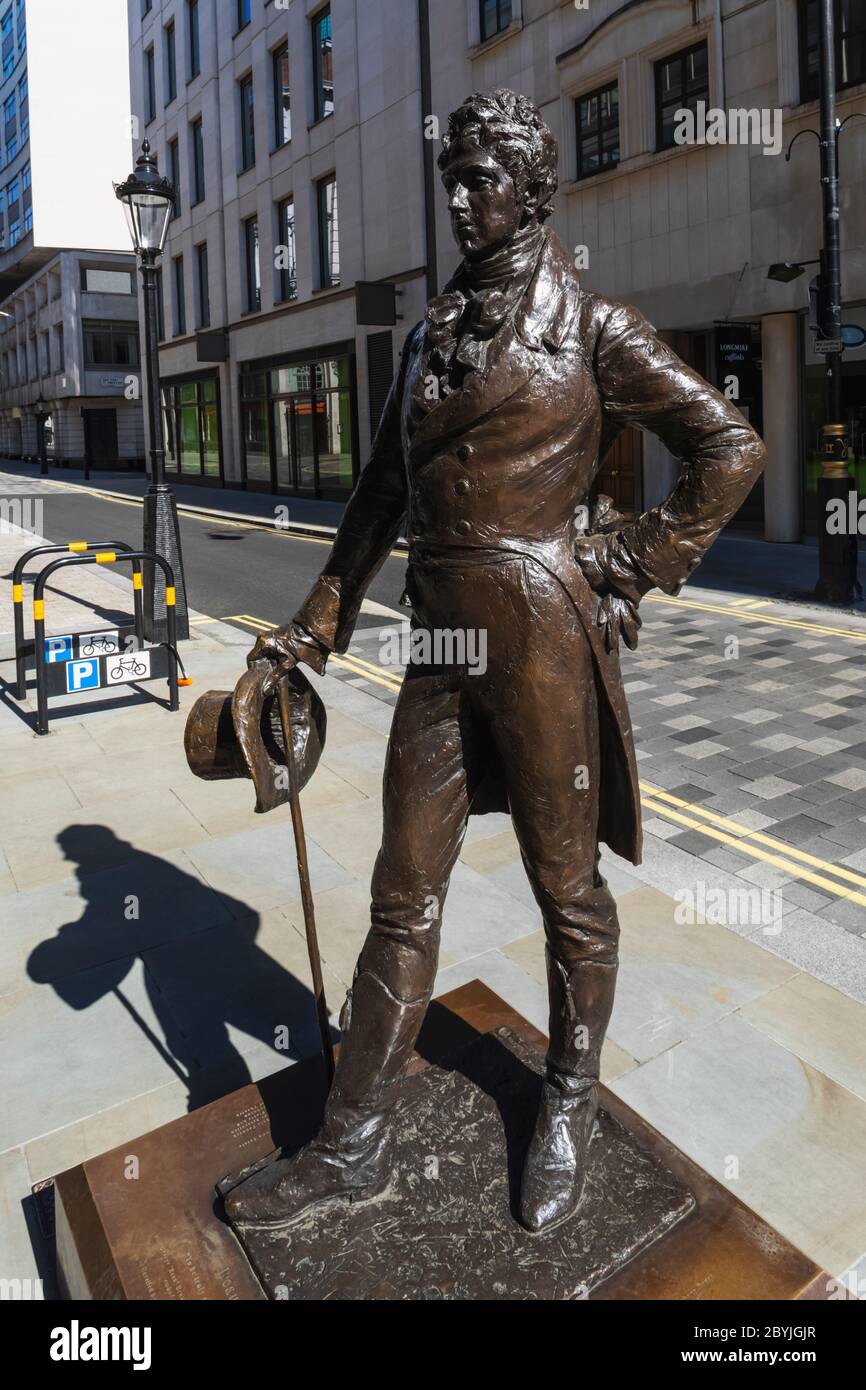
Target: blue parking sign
58,649
82,675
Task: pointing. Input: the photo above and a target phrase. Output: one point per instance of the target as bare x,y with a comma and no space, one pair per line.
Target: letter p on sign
82,675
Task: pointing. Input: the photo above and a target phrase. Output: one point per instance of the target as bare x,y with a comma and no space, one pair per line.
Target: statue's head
498,165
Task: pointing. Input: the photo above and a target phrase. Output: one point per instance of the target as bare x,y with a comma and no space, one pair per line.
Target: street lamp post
40,410
147,200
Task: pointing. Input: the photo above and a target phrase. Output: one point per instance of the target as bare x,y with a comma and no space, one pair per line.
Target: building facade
68,317
296,132
293,134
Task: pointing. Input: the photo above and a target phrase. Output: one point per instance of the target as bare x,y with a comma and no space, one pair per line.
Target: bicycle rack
99,665
77,547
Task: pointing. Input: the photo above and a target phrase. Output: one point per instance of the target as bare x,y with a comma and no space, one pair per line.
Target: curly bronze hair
512,128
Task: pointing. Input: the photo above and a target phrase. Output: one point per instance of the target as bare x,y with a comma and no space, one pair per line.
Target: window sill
251,313
484,45
246,169
246,24
583,179
811,104
193,76
320,120
275,149
328,289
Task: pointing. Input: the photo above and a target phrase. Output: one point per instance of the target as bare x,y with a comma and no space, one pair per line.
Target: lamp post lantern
148,199
40,410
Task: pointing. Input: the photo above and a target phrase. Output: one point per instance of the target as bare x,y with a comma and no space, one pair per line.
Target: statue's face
485,205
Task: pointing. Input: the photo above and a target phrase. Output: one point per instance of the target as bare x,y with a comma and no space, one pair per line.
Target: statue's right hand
280,647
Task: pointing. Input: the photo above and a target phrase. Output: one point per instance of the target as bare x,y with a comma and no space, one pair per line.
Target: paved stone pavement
153,935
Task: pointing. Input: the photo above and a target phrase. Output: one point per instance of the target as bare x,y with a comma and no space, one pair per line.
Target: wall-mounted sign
736,361
212,346
375,303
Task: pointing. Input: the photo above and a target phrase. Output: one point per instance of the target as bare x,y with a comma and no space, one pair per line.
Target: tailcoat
506,462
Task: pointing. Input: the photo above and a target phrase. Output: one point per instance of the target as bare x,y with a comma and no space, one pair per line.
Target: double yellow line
757,845
837,879
356,664
743,608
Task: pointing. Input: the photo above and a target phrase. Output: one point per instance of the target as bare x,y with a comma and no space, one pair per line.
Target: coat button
461,487
463,528
465,452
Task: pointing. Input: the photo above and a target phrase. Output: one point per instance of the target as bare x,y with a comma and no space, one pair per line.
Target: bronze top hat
240,734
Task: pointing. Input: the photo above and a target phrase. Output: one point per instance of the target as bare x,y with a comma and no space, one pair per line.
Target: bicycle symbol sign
134,666
104,643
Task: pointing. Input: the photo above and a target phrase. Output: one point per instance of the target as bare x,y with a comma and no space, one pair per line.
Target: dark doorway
100,438
619,476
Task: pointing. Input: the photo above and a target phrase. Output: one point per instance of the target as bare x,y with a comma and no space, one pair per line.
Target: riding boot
581,999
348,1158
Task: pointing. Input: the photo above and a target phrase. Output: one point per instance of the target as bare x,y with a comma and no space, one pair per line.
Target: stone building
296,133
69,323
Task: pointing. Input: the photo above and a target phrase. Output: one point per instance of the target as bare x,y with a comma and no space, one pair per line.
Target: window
850,16
9,63
146,7
170,56
197,145
282,97
242,13
191,415
96,281
285,258
26,177
682,80
149,87
174,174
297,427
323,66
179,297
597,131
495,16
12,149
248,129
193,42
202,305
110,343
329,233
9,109
252,266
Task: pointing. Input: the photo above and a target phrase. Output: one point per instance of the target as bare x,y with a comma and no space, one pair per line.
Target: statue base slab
653,1225
445,1227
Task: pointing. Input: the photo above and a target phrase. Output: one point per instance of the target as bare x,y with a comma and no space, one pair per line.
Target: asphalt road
230,568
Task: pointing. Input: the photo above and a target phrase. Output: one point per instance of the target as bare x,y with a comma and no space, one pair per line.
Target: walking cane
306,890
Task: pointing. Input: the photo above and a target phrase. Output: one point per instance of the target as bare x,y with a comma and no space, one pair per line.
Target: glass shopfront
298,427
190,411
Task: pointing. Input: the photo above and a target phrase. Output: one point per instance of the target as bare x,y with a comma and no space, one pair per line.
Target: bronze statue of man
508,395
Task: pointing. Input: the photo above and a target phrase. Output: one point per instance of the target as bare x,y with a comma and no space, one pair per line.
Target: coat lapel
514,356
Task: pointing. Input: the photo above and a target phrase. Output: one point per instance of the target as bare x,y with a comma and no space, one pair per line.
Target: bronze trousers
535,709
